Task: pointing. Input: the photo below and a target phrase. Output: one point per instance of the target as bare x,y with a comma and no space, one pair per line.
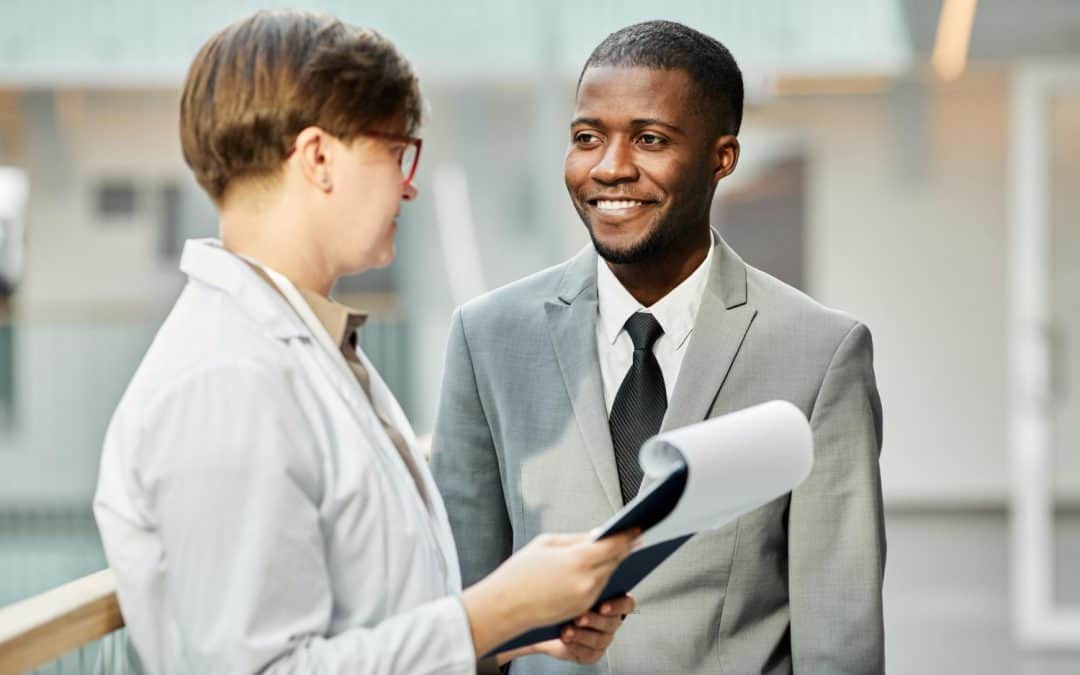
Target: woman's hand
560,576
553,578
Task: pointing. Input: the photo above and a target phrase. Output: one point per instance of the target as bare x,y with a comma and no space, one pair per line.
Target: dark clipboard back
653,507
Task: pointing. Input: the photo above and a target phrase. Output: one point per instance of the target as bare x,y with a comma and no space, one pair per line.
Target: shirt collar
338,320
675,312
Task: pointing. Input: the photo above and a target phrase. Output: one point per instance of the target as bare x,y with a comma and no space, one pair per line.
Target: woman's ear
314,154
725,156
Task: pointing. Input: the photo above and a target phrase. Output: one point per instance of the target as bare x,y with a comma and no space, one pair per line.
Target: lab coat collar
207,261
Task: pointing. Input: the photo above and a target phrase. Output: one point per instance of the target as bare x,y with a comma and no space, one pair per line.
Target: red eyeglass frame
397,138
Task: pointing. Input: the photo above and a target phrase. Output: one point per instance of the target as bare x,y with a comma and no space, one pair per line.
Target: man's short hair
260,81
668,45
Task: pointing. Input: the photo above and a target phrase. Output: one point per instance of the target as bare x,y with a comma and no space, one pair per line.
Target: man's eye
585,138
651,139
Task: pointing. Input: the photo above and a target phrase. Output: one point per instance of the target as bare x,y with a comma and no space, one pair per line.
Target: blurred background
913,162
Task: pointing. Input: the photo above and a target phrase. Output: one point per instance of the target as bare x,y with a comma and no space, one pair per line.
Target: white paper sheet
735,464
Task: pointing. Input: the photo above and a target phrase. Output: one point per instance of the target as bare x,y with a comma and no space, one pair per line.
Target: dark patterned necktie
640,405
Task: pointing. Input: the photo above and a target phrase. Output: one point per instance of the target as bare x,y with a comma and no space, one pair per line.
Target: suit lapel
721,324
723,320
572,321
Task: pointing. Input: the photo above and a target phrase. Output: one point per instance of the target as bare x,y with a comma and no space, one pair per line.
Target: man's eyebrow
636,123
652,121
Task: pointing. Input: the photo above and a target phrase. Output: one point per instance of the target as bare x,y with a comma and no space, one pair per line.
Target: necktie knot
644,330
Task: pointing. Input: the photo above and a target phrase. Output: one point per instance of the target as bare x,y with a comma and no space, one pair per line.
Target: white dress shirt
256,514
675,312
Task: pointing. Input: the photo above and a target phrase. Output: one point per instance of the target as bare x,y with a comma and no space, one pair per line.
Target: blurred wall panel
922,262
1064,135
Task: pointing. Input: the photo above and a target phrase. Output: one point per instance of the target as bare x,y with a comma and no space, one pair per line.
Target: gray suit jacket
522,447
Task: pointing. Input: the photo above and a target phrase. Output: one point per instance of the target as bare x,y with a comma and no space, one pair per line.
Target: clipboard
697,478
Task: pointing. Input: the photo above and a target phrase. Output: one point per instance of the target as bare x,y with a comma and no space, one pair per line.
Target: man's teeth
615,205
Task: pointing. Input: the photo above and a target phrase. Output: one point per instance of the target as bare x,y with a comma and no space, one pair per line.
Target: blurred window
170,227
115,200
7,373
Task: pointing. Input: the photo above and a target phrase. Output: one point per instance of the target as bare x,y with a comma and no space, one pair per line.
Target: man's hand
586,640
554,578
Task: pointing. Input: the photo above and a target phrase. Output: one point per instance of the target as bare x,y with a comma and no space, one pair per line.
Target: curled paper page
702,477
734,464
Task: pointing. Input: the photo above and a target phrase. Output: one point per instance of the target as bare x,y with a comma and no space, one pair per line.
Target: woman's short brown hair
257,83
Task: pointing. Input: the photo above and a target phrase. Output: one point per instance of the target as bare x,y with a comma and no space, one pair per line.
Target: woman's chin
381,260
387,255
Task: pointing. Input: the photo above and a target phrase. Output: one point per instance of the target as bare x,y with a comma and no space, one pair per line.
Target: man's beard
659,239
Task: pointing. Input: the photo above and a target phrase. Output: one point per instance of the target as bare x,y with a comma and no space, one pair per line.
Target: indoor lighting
953,38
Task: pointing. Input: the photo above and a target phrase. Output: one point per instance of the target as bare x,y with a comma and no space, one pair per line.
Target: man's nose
616,165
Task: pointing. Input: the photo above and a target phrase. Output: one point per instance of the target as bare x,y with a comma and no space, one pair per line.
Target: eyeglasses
410,155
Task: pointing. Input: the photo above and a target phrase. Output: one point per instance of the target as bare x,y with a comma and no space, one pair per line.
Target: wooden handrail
47,626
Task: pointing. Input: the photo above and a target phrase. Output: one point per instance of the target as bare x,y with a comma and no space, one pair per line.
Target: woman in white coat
261,499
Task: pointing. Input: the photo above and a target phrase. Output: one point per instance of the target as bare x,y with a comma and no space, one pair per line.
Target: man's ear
315,154
725,156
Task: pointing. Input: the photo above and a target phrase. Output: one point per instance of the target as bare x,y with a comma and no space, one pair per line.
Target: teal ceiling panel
136,43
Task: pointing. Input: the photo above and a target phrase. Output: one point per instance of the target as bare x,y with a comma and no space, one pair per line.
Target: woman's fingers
611,550
562,539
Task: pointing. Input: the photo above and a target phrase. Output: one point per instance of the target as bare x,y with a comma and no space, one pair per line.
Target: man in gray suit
553,381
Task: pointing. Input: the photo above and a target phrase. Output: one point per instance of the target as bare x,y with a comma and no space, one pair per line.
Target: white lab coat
256,515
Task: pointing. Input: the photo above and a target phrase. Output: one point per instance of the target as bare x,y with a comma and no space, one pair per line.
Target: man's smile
619,207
